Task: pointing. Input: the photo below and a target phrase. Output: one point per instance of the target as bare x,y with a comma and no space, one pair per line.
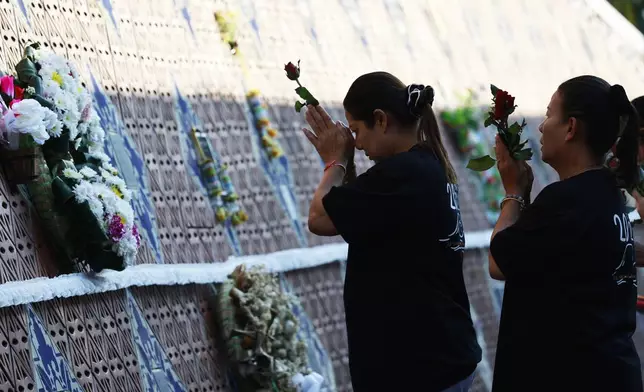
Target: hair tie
418,96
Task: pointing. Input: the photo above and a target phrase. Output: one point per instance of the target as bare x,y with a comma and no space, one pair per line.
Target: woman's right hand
516,176
332,140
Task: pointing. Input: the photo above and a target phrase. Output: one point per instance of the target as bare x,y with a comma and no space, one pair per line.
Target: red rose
503,104
19,92
292,71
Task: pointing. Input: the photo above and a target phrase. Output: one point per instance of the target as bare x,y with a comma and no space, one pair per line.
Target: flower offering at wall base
260,333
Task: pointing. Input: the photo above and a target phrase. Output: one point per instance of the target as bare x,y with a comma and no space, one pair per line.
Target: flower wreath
260,333
83,201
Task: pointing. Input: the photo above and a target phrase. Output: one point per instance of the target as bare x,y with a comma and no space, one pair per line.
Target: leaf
523,155
481,164
514,129
488,121
298,106
307,96
27,73
494,89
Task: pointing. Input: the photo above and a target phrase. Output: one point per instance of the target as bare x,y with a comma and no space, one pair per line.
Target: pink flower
6,85
116,228
135,232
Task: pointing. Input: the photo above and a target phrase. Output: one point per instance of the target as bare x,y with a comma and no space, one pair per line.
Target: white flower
28,117
101,156
127,246
69,173
30,90
87,172
86,191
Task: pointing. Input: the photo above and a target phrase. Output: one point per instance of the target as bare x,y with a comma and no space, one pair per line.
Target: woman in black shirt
407,311
567,259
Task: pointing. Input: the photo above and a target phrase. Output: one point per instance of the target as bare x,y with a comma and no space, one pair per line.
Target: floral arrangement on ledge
465,124
78,194
220,188
260,331
262,122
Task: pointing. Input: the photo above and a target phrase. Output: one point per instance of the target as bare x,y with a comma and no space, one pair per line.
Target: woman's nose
541,127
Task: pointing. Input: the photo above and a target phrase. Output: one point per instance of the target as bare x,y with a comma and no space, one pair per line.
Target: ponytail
429,135
420,101
626,147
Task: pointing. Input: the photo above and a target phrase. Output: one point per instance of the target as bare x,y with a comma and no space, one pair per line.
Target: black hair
608,120
638,103
406,104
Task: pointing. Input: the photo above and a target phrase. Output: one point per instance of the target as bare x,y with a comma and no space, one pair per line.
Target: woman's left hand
517,176
333,141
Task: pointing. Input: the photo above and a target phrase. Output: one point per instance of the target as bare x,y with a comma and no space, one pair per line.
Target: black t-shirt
570,294
407,311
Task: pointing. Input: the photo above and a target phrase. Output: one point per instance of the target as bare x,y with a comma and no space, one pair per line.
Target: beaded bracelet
516,198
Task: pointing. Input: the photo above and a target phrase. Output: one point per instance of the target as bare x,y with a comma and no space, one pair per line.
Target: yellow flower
263,122
272,132
266,141
238,218
117,191
221,214
56,77
275,152
252,94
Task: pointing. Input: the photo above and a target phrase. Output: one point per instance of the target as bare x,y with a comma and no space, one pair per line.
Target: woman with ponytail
407,312
568,258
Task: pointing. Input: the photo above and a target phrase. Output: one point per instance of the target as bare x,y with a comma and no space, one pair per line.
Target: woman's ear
573,128
380,120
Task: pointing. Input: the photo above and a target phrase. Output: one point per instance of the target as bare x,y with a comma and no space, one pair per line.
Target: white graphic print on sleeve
456,239
625,271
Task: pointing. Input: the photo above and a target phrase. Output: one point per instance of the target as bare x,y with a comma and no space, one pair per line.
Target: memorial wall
173,89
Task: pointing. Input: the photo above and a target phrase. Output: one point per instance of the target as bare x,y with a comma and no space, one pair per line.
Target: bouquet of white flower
79,195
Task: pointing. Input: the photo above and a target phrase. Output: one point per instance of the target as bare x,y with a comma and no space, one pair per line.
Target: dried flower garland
260,331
